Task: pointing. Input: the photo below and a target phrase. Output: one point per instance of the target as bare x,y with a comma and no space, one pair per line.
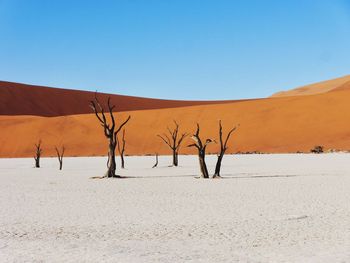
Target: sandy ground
274,125
268,208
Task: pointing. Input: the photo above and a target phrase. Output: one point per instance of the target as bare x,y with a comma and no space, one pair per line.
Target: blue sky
178,49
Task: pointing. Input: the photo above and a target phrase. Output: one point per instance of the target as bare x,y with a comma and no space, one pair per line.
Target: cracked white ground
268,208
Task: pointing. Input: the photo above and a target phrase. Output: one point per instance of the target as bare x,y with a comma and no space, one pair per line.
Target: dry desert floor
267,208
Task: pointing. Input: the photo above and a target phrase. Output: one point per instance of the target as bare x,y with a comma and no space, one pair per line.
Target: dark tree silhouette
156,164
38,152
201,147
223,148
60,156
121,149
110,131
317,149
174,141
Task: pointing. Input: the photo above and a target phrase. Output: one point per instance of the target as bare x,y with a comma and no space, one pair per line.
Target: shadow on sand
196,176
227,176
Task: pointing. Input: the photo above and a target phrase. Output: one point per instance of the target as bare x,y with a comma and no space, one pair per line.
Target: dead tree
156,164
121,149
110,132
38,152
201,147
223,148
174,142
60,156
317,149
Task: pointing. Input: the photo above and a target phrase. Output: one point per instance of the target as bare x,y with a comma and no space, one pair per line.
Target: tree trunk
175,158
61,161
218,165
122,160
156,164
203,166
111,160
37,162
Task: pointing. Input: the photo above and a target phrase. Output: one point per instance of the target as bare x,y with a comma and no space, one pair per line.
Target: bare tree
121,149
201,147
110,131
60,155
317,149
223,148
156,164
174,141
38,152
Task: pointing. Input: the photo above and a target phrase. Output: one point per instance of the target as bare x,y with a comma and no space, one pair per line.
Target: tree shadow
260,176
158,176
196,176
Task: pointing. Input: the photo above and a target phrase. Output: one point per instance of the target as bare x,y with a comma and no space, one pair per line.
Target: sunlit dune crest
317,88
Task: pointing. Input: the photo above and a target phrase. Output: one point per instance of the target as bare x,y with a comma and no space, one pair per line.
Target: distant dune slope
287,124
22,99
316,88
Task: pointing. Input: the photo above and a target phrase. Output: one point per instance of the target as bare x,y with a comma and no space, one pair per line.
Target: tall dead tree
38,152
121,149
201,147
174,141
60,156
223,148
110,131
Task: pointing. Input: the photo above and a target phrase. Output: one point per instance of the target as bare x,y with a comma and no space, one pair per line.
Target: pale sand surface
270,208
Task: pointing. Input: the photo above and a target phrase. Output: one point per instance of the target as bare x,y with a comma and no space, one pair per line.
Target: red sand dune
276,125
316,88
22,99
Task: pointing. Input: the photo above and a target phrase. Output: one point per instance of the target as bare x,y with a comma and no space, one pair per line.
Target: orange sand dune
320,87
287,124
22,99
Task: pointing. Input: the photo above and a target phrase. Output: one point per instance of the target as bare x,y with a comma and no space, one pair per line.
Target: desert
272,205
266,208
174,131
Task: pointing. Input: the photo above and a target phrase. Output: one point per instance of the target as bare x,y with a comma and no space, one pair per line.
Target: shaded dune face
344,86
22,99
272,125
317,88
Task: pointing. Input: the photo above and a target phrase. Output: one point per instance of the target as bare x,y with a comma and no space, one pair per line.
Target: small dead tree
317,149
38,152
60,156
223,148
156,164
201,147
121,149
110,131
174,141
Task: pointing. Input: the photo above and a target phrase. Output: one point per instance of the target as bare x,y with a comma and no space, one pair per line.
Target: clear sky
178,49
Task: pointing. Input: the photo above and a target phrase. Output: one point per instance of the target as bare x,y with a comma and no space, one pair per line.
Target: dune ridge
23,99
317,88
